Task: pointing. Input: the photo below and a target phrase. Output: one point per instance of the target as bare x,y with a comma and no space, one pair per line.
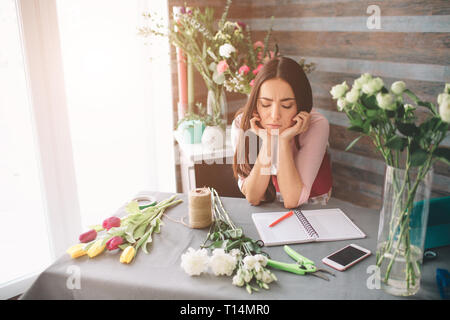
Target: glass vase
217,105
402,229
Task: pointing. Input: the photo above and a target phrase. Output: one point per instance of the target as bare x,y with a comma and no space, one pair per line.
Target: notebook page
332,224
287,231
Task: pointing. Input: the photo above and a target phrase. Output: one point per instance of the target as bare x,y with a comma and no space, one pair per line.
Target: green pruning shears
303,265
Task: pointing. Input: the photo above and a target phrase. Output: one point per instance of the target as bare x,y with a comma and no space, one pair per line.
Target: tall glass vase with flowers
410,148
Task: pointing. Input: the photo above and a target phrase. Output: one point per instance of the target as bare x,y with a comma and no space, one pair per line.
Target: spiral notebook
306,226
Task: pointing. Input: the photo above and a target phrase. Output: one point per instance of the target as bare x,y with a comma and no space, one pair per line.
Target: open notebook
306,226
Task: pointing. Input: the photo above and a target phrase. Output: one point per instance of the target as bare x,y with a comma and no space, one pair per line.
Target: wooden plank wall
412,45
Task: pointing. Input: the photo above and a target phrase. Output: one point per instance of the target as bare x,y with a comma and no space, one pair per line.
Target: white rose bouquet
231,251
406,145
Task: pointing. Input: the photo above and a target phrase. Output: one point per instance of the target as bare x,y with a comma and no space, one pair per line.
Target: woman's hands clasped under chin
300,124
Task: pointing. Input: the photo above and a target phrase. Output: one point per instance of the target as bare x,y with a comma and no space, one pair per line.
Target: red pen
287,215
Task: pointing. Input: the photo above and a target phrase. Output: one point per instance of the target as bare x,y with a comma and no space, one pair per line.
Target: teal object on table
192,131
438,227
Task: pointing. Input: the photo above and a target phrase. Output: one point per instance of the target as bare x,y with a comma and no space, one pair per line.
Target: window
24,237
120,122
86,122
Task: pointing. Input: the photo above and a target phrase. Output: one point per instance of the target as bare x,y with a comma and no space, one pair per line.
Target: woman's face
276,105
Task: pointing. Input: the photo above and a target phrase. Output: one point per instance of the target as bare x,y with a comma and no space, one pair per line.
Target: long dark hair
289,71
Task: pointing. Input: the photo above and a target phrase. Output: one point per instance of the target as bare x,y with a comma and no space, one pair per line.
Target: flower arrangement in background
225,55
232,252
129,233
409,149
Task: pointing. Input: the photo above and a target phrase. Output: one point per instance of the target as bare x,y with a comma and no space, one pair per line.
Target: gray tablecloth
159,275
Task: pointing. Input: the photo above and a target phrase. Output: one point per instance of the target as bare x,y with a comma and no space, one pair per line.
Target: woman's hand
255,128
302,121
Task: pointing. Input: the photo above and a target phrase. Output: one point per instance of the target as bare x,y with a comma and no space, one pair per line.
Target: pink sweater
308,160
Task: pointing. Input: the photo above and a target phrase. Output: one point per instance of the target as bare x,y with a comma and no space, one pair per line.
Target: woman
292,163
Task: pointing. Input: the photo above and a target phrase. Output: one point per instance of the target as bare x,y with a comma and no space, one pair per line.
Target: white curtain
119,103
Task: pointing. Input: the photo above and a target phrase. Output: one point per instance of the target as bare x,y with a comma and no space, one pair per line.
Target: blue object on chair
443,283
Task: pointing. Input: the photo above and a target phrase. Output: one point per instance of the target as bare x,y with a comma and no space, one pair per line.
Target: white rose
444,110
386,101
238,280
339,90
352,96
247,275
398,87
362,80
267,277
195,262
373,86
262,259
447,88
249,262
226,49
442,97
222,263
341,104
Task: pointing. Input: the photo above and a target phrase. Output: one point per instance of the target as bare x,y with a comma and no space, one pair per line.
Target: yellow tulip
76,250
127,254
96,248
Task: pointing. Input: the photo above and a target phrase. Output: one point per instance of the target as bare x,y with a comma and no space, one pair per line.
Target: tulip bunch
232,252
129,233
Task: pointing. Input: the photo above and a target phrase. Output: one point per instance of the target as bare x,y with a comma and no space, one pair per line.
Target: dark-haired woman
291,162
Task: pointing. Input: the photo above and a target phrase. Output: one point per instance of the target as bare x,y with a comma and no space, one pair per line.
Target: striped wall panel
411,45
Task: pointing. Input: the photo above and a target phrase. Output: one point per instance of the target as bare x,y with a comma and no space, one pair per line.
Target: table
159,275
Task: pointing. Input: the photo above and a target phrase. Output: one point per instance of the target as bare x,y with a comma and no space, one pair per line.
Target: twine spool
200,208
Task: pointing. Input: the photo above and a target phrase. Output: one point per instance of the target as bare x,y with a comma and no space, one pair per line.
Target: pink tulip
111,222
88,236
222,66
114,243
259,67
244,69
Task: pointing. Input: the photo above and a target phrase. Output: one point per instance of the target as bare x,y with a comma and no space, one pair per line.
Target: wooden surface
412,45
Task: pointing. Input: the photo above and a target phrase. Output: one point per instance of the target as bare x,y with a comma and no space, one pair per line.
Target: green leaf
140,230
397,143
411,94
418,157
400,110
156,224
371,113
356,128
407,129
443,154
123,246
233,234
370,102
148,241
390,113
353,143
133,208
